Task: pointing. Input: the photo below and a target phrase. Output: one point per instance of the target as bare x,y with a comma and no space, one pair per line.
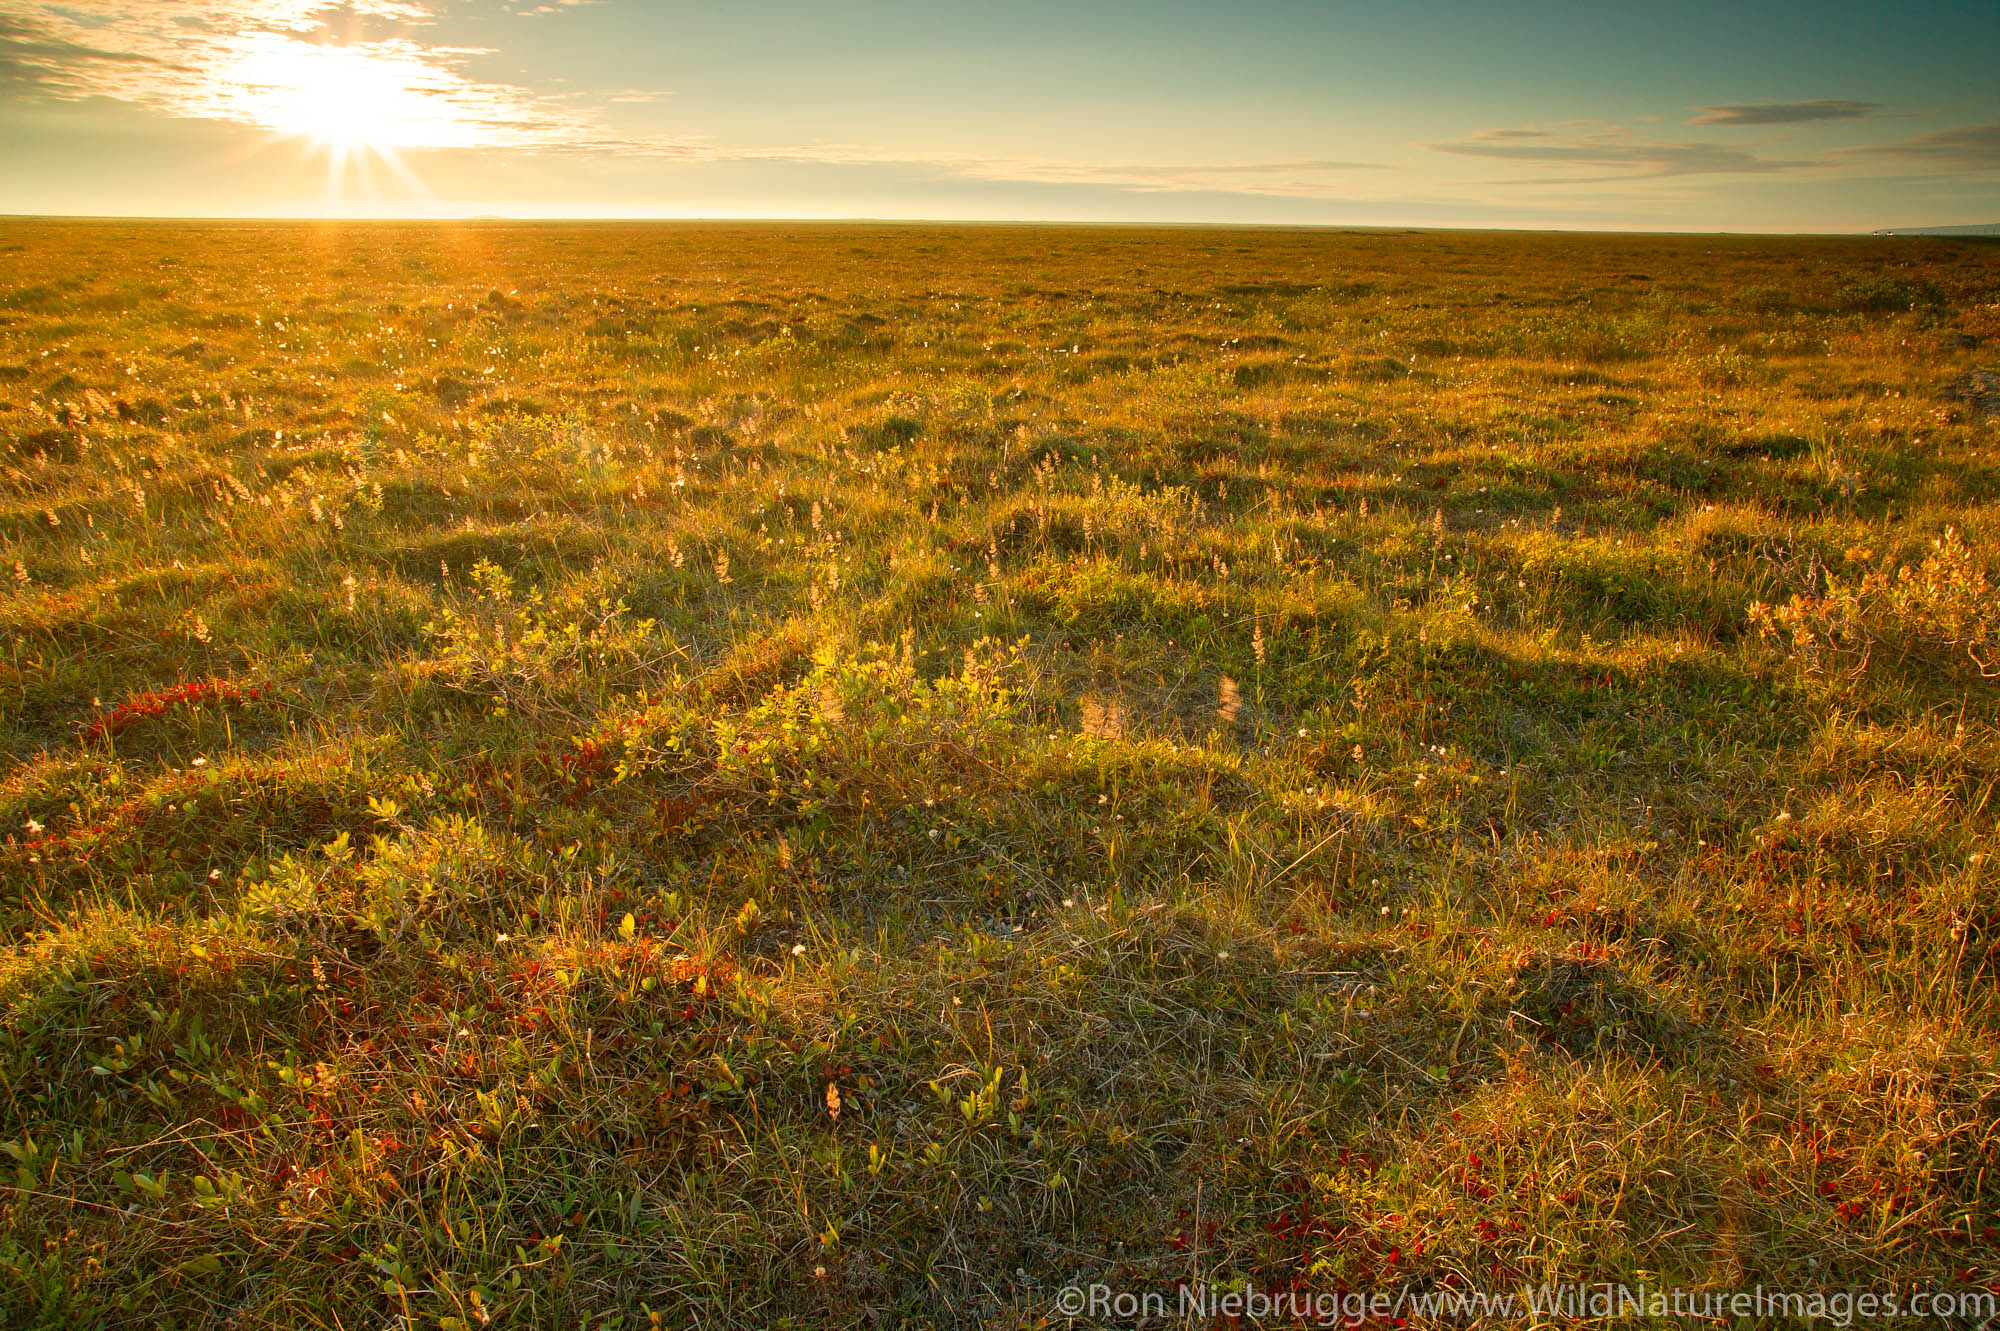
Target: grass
701,775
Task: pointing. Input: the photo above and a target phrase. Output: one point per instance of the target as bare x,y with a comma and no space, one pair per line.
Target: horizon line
1881,233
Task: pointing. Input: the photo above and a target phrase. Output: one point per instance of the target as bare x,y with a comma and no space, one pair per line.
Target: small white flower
798,949
1068,902
201,762
34,828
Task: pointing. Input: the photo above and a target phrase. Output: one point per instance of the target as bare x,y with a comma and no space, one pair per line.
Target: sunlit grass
860,775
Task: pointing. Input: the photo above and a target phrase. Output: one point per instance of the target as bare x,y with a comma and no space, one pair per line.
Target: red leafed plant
141,706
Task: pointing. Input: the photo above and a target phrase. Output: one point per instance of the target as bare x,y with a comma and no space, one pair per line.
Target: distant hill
1987,229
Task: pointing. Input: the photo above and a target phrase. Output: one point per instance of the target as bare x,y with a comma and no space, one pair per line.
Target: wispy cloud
1615,149
1965,148
254,61
1293,178
1785,113
36,59
1302,178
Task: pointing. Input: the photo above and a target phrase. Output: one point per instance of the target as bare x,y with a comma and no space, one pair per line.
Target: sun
375,112
349,98
335,97
359,107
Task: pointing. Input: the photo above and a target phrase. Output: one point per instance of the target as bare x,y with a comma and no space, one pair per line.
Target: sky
1775,116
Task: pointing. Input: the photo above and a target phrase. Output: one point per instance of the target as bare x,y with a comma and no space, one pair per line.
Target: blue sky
1785,117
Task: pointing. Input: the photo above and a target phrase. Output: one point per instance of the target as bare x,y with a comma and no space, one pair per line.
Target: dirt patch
1980,390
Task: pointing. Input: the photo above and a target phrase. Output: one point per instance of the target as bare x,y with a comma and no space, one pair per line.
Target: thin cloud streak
1304,178
1785,113
1964,148
1615,148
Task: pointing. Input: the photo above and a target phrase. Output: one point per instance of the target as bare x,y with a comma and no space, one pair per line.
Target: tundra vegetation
837,775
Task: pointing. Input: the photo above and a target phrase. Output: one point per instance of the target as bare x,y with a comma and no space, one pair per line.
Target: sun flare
352,98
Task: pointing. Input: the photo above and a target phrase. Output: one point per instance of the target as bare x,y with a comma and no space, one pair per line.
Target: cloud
1784,113
1315,178
34,59
288,66
1966,148
1308,177
1615,148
